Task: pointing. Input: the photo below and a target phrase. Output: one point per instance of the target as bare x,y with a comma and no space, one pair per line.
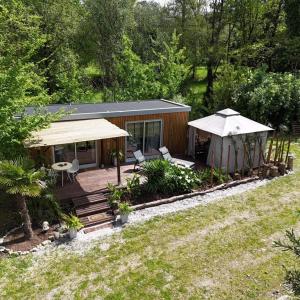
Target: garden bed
16,241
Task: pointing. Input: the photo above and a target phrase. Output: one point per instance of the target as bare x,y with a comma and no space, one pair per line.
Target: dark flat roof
116,109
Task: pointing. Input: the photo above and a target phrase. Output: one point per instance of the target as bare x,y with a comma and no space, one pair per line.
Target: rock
46,242
2,249
284,297
56,235
51,238
1,241
25,252
34,249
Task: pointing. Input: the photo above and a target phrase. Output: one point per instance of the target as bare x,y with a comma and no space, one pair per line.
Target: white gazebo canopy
75,131
228,122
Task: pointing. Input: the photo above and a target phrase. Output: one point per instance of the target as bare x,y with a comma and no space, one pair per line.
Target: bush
133,187
163,177
115,195
45,208
124,208
72,222
218,176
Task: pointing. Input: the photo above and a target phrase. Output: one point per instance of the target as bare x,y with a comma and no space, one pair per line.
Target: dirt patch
16,241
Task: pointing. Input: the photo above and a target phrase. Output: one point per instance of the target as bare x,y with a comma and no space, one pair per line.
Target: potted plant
114,156
115,196
124,210
73,224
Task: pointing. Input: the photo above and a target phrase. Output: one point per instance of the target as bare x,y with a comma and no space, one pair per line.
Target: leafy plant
114,154
218,176
124,208
72,221
164,177
133,186
115,195
292,277
20,179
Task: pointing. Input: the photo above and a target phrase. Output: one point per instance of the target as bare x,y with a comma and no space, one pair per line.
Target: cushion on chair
138,155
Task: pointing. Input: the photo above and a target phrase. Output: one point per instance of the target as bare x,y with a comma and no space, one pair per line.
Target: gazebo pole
118,160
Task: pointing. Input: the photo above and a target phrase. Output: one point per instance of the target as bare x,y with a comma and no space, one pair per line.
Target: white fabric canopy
228,122
75,131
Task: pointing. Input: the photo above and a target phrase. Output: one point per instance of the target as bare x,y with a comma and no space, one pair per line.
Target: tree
19,178
103,28
292,11
20,83
172,67
292,277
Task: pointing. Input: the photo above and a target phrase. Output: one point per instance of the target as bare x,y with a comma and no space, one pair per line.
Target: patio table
62,166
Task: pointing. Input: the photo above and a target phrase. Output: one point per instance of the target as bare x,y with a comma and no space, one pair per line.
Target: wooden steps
96,219
93,210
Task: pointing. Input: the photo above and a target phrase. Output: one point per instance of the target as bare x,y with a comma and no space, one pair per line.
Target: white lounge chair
139,158
167,156
72,172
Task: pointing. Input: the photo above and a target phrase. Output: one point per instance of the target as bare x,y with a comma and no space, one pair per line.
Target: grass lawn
219,251
198,85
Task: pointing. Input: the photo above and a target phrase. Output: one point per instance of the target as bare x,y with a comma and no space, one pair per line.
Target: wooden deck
91,181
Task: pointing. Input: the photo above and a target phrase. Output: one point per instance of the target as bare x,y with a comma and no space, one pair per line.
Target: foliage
124,208
265,97
20,83
162,78
113,154
103,27
218,176
115,195
292,277
72,221
292,11
172,68
44,208
18,177
133,186
164,177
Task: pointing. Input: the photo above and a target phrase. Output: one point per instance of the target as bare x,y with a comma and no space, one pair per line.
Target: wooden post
259,155
270,148
288,150
228,160
221,160
276,150
244,157
118,160
212,167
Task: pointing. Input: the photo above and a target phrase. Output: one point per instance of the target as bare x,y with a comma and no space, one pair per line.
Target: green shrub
133,187
163,177
72,221
44,208
218,176
115,195
124,208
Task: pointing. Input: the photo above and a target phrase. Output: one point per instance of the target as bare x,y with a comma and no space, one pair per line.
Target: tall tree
20,83
103,28
292,10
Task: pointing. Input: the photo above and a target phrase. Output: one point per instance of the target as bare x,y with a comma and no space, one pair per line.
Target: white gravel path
84,241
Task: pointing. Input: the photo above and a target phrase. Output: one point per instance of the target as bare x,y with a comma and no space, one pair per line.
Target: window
145,136
85,152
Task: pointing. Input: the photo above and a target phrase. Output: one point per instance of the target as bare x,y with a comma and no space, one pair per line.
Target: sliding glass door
145,136
85,152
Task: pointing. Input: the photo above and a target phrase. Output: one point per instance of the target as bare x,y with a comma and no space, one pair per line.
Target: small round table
62,166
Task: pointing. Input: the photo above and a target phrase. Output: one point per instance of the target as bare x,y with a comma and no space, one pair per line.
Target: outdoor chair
180,162
139,159
72,172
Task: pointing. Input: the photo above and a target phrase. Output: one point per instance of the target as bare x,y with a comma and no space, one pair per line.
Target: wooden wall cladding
174,132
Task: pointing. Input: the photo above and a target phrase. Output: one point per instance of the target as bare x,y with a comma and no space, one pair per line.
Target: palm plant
19,178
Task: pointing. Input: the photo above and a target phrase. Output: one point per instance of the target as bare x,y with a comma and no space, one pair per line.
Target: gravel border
85,241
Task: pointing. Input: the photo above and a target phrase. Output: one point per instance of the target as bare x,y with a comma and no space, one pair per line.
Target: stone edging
193,194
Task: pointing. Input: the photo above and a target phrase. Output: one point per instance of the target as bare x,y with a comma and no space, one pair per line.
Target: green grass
198,85
219,251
